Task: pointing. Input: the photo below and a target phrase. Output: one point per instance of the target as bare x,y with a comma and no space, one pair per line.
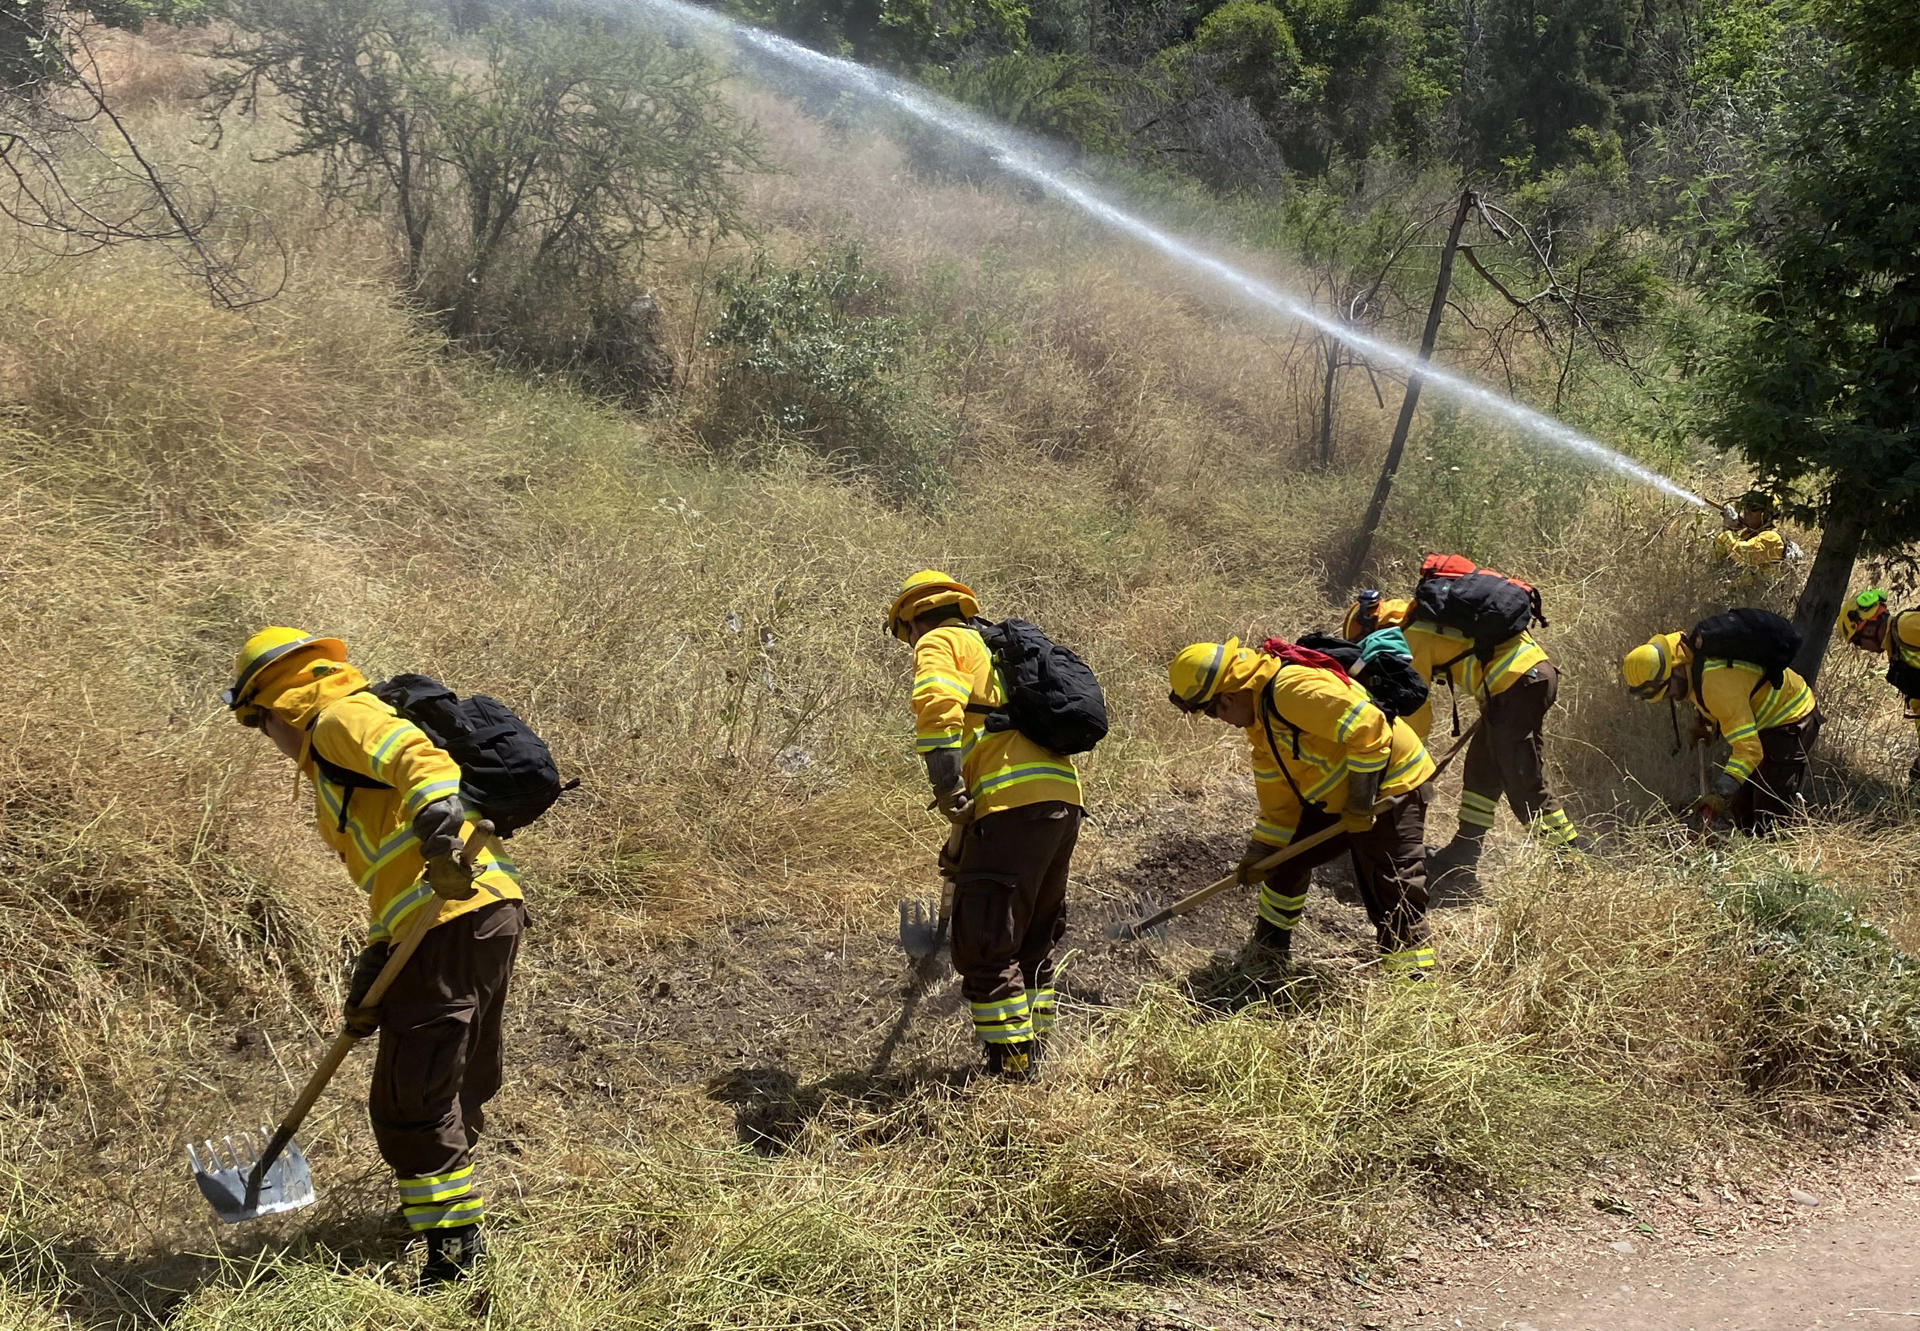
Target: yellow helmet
929,589
1860,611
270,647
1646,669
1196,672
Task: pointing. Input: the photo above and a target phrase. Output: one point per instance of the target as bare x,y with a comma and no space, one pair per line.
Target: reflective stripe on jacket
1434,646
951,667
1341,730
371,830
1734,696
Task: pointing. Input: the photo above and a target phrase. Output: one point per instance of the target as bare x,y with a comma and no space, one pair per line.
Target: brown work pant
1389,863
440,1059
1009,913
1507,754
1774,790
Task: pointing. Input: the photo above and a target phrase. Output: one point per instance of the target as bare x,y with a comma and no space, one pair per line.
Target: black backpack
1052,697
1489,607
507,772
1751,636
1389,678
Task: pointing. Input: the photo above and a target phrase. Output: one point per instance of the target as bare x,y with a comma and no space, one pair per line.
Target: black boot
452,1254
1270,948
1013,1060
1453,871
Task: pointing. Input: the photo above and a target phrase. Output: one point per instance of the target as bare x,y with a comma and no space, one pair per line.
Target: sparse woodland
547,354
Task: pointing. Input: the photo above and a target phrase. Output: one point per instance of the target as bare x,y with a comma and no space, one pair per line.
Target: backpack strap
980,626
1269,709
1453,694
344,777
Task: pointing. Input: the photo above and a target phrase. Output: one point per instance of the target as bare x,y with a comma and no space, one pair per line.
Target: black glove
364,1021
438,826
1720,792
949,786
1363,791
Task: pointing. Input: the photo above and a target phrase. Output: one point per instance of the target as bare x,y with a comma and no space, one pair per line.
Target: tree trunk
1334,349
1363,542
1826,588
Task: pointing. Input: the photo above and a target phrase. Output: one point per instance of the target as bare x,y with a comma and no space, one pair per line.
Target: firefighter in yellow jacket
1323,753
1771,730
400,839
1869,622
1507,754
1016,808
1750,539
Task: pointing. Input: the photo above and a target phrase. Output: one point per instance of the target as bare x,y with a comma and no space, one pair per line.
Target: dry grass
702,646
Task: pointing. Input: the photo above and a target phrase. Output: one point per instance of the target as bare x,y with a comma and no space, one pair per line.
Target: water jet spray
1028,160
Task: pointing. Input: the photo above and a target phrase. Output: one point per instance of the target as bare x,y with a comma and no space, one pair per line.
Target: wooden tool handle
1320,838
1459,747
1214,889
425,916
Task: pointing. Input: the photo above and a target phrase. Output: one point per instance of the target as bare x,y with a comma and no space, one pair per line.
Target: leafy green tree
1538,71
902,34
1819,380
526,175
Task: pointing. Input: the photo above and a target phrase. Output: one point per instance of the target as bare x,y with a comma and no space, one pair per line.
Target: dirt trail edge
1856,1268
1831,1242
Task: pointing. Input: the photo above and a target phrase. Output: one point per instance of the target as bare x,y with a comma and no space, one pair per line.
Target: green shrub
1833,1004
813,355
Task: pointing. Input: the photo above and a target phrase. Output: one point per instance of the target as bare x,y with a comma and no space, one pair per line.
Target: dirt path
1830,1243
1860,1267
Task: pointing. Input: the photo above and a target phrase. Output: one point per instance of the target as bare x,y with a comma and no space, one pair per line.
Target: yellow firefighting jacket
371,830
1759,550
1903,641
1340,730
1434,647
951,668
1736,698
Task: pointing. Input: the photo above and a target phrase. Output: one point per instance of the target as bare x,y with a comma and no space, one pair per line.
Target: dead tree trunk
1332,368
1363,541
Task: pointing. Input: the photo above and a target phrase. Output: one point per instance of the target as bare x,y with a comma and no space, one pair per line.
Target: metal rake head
1138,909
923,928
226,1182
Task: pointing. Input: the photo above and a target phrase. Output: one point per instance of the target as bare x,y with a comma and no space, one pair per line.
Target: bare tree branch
75,179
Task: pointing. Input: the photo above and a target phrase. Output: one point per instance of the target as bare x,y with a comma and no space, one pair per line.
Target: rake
924,924
251,1180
